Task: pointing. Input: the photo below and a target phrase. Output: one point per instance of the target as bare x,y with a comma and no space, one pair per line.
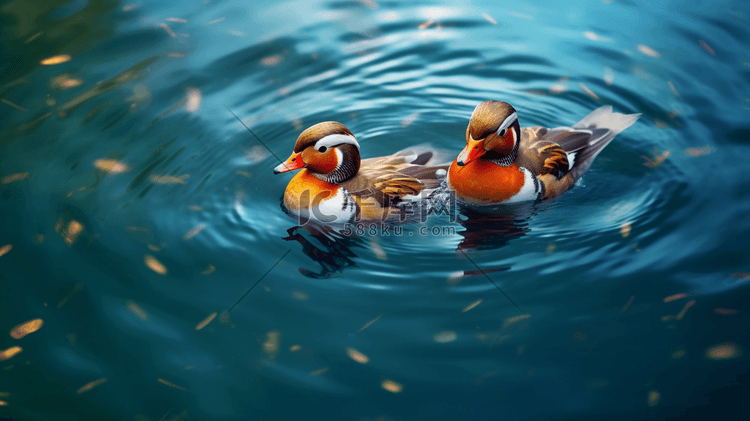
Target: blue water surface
137,212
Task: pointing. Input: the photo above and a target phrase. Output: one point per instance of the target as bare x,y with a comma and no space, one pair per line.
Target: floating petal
357,356
56,60
205,321
155,265
24,329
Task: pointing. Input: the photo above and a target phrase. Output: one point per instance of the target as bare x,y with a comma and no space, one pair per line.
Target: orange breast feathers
306,190
482,180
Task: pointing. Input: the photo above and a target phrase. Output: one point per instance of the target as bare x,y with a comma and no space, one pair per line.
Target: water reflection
493,227
325,246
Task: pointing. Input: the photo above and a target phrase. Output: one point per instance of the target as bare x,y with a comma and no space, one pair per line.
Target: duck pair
501,163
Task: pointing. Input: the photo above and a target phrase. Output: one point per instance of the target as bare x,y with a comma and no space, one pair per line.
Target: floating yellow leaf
656,160
684,310
168,179
90,385
512,320
5,249
155,265
625,229
170,384
272,60
472,305
357,356
558,88
445,336
723,351
111,166
653,398
696,152
168,29
10,353
210,270
18,107
678,354
675,297
366,325
648,51
137,310
65,81
318,372
14,177
271,345
426,25
193,232
56,60
295,348
24,329
589,91
674,90
193,100
726,311
3,403
71,233
205,321
391,386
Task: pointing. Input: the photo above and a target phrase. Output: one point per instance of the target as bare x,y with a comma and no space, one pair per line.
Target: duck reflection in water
325,246
491,228
485,228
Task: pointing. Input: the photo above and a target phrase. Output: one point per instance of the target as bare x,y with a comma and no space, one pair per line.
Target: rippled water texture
137,212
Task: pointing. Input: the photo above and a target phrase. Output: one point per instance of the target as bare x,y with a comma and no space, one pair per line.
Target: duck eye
502,132
322,149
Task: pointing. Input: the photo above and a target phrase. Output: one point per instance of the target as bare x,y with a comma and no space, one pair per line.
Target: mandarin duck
336,186
504,163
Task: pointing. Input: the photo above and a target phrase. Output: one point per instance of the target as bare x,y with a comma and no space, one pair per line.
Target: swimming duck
504,163
336,186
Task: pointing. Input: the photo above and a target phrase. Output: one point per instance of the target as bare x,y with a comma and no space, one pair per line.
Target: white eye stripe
336,139
507,122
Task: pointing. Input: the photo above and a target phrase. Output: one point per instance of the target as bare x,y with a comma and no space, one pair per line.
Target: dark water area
137,212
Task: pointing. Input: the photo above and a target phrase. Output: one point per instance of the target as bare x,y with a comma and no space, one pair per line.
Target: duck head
493,133
328,150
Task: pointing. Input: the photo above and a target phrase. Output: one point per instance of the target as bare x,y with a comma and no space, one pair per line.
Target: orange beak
294,162
473,150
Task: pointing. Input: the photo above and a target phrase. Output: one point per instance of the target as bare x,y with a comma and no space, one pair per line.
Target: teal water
134,206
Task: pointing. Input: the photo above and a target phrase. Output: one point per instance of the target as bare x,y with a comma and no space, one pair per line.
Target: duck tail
604,125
